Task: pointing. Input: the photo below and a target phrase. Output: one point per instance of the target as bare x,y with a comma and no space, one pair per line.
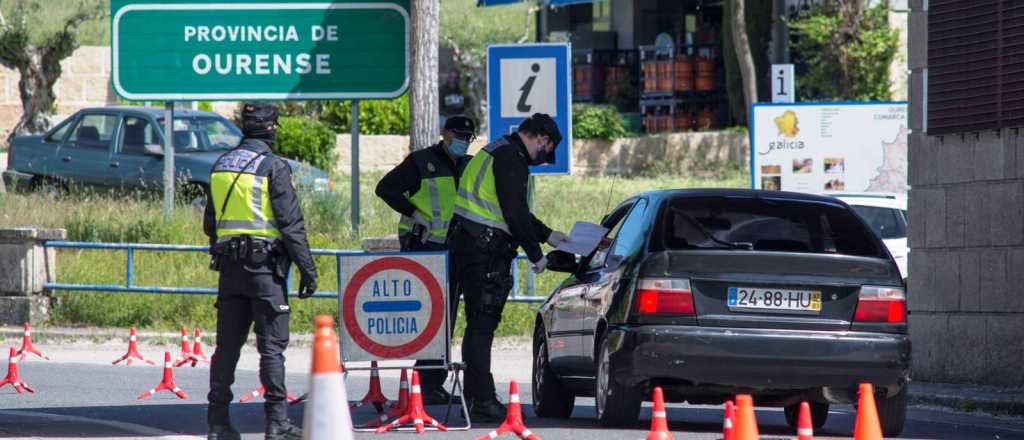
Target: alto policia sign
259,49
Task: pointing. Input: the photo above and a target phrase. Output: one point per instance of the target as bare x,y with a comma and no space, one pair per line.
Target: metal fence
130,286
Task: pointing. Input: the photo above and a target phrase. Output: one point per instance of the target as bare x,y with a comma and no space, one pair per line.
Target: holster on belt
245,249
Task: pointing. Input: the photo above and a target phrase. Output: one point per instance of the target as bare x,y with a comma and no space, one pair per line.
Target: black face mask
541,157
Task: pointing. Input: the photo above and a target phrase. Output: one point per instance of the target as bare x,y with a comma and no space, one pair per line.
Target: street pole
168,159
355,169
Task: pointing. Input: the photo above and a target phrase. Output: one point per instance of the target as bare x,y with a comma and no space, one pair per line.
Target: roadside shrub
597,122
375,116
306,140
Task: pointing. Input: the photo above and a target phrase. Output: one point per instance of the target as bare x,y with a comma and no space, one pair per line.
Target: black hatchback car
710,293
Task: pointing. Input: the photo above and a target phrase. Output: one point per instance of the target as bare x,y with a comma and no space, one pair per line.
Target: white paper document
583,238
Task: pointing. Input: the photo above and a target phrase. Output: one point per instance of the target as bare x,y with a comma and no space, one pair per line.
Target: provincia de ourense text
259,63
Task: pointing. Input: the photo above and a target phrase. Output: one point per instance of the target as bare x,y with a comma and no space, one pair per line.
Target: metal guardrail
131,287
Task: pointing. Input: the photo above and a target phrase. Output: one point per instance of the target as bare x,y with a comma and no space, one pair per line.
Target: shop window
602,16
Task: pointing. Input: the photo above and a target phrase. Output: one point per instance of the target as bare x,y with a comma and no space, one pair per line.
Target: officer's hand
307,286
540,265
556,238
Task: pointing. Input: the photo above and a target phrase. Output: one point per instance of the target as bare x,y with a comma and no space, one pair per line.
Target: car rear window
765,224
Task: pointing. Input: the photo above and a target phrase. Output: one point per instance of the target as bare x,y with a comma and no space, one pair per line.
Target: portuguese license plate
774,300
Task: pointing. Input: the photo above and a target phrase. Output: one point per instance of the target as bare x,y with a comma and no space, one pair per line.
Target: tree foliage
306,140
848,48
597,122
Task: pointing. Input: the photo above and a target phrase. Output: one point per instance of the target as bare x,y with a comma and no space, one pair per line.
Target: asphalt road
79,394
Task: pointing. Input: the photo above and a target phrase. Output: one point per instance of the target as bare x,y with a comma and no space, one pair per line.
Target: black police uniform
482,257
251,292
404,180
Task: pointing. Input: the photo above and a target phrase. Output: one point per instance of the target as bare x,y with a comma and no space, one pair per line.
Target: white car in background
887,215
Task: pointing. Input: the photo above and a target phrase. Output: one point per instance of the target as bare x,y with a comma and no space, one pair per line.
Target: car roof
156,112
739,192
891,201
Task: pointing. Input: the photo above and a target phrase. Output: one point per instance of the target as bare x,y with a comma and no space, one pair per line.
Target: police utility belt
244,248
487,238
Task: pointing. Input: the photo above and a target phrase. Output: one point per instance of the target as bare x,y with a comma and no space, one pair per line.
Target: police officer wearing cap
256,232
492,220
422,189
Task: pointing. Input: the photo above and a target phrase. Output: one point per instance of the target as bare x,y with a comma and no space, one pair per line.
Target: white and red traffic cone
729,424
326,416
197,349
513,423
659,418
133,351
186,356
259,392
167,383
804,427
13,377
374,395
26,345
415,413
397,408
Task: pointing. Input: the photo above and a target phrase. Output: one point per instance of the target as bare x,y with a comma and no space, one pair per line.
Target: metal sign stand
169,159
457,368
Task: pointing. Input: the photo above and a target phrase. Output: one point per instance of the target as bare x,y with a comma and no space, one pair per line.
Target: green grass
137,217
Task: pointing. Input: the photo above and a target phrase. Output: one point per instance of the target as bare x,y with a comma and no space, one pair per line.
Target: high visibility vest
248,210
435,200
477,198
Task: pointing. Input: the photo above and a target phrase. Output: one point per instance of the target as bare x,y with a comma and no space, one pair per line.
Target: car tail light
664,297
881,304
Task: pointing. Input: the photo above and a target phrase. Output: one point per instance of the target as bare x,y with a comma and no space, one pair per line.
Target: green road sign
258,49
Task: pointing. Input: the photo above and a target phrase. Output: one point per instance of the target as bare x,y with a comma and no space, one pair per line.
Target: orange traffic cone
728,425
374,395
326,414
186,354
167,383
398,408
26,344
416,414
659,418
746,421
13,376
513,423
867,426
133,350
197,349
804,427
259,392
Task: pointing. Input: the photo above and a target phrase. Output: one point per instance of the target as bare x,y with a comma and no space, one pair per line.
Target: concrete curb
968,398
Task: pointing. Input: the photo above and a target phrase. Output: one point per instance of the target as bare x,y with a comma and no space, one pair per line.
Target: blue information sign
523,79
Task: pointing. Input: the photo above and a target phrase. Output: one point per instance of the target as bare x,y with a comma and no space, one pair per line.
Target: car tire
194,194
48,186
617,405
892,413
551,399
819,414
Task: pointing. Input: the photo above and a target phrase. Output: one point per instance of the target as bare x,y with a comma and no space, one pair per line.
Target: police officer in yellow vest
256,231
422,189
492,220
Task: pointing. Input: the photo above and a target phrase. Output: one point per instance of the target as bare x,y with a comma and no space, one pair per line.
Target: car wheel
48,186
617,405
550,398
819,413
194,194
892,413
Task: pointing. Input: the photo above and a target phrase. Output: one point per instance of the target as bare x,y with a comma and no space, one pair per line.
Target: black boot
222,432
283,431
490,410
439,396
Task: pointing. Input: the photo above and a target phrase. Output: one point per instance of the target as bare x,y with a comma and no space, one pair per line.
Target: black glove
307,286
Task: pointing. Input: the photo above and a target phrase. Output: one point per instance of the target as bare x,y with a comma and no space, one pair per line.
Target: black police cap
460,124
259,113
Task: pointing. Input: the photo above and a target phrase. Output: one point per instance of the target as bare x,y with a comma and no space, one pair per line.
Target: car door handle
66,159
115,164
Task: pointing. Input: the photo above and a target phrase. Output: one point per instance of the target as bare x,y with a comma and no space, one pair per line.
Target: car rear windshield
204,133
765,224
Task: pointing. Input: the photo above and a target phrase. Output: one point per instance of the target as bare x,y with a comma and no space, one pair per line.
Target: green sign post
233,50
259,50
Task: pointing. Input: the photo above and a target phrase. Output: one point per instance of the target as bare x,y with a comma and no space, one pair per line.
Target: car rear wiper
703,230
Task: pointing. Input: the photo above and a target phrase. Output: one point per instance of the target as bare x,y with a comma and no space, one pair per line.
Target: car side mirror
154,149
562,261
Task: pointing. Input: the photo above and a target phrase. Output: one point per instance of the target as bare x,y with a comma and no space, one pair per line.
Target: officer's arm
210,220
539,228
290,222
402,179
510,180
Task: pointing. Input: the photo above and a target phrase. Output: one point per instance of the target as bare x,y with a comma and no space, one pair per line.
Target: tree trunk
37,97
742,46
424,111
851,13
